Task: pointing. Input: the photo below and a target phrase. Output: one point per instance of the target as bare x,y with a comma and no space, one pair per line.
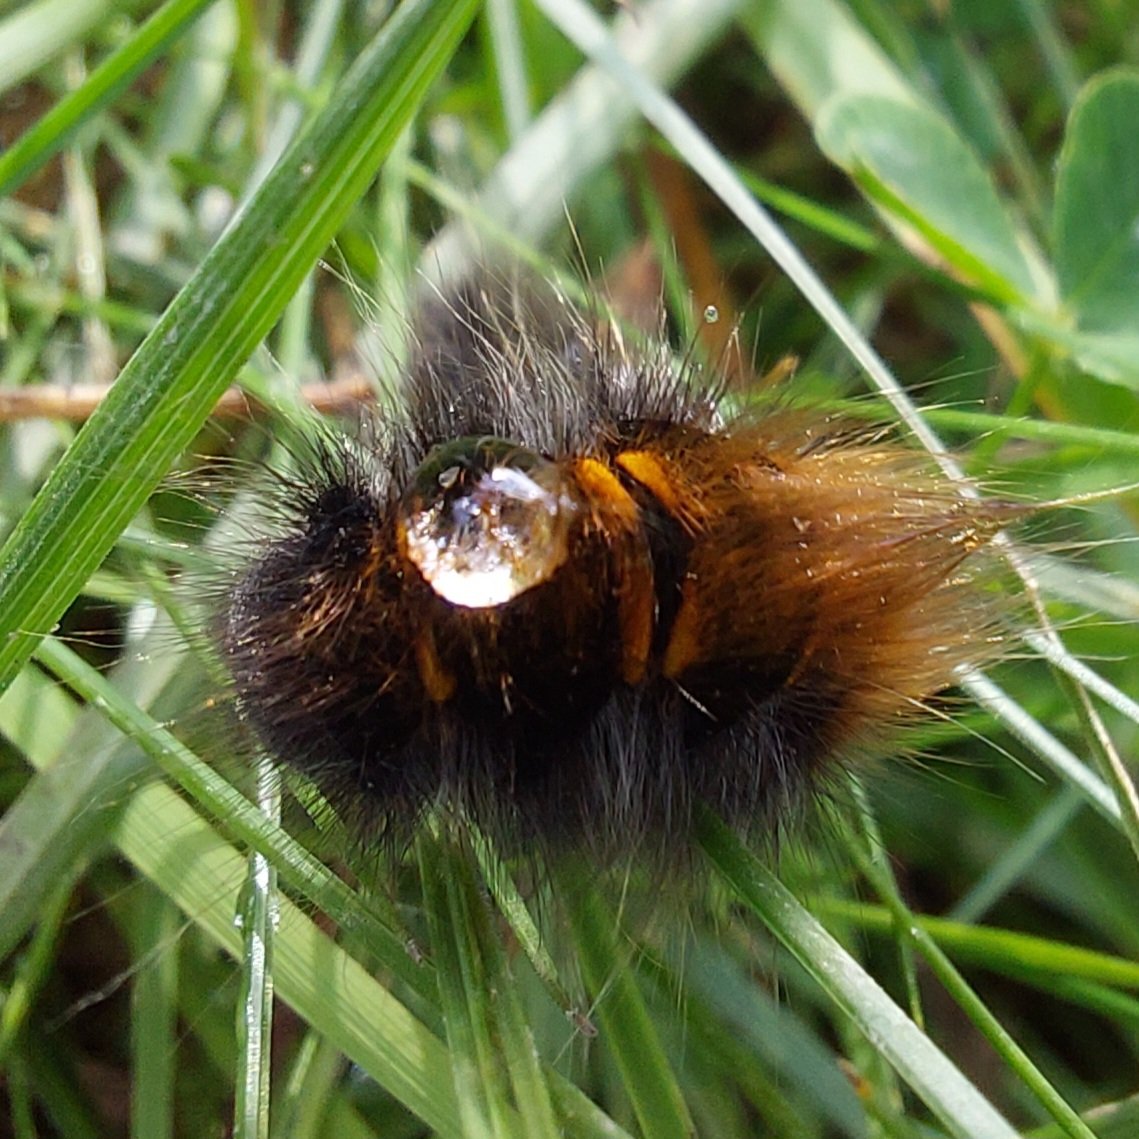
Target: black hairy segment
569,594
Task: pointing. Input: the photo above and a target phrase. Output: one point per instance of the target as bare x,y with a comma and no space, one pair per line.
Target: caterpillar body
571,593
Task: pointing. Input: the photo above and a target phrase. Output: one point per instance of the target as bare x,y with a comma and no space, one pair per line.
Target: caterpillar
572,593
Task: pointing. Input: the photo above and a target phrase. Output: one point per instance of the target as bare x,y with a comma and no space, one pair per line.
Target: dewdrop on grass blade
572,593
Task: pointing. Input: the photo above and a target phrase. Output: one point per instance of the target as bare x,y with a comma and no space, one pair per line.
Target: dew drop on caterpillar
573,592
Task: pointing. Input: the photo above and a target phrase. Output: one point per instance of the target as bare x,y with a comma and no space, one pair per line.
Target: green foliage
912,163
964,181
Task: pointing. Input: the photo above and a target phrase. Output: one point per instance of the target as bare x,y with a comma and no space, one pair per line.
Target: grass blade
962,1109
33,148
168,387
624,1022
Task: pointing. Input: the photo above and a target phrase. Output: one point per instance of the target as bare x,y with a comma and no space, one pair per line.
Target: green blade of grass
36,145
223,801
168,387
174,847
1000,950
962,1109
1098,439
760,1026
1111,1121
529,1084
1017,859
40,31
463,993
1065,763
154,1019
1001,1040
510,63
511,904
623,1018
49,833
32,970
258,933
581,128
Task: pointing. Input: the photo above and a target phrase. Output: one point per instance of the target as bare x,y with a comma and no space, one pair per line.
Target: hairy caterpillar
571,593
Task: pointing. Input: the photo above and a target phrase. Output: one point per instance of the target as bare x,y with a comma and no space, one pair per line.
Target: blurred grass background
964,177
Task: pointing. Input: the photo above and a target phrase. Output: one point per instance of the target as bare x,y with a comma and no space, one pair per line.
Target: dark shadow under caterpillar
570,593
